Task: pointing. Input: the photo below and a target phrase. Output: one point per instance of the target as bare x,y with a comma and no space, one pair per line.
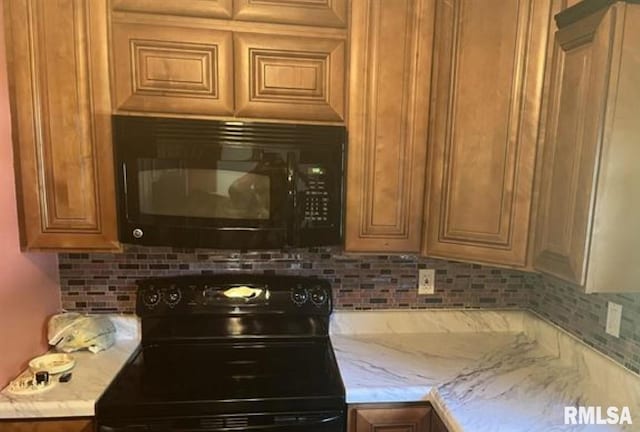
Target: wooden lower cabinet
75,425
437,425
401,417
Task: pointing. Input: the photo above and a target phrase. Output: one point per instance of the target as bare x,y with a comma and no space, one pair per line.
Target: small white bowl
53,363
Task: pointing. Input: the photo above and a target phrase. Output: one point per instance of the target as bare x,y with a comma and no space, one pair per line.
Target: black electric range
229,353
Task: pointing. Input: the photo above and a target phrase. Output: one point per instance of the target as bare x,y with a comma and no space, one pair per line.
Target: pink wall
29,290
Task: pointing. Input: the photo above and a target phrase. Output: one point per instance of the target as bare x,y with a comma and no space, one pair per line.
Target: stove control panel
315,295
234,295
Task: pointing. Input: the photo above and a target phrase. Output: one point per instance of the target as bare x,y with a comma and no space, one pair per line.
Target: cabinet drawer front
487,92
80,425
576,114
326,13
289,77
172,70
198,8
62,125
405,419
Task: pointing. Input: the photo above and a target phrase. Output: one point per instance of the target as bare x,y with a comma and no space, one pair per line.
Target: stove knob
319,296
299,295
172,296
208,295
150,297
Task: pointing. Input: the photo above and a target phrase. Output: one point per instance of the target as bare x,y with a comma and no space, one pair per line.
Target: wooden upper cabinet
589,205
61,114
396,419
324,13
388,118
289,77
488,72
161,68
197,8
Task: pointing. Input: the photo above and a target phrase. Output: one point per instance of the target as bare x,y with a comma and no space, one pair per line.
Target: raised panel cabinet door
487,90
80,425
197,8
572,143
406,419
166,69
61,113
289,77
437,425
388,121
323,13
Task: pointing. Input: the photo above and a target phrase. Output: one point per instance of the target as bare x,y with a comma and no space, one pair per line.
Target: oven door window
246,189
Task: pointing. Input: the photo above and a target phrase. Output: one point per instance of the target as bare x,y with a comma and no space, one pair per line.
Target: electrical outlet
614,317
426,281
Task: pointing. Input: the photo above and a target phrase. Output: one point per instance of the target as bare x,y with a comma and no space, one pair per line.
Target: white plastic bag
72,331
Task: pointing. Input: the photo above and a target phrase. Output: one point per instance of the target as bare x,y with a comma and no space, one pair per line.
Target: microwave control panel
316,196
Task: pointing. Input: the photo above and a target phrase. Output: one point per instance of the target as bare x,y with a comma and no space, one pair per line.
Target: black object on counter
42,377
65,377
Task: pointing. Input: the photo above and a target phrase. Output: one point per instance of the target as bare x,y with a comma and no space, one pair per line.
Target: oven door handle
281,424
130,428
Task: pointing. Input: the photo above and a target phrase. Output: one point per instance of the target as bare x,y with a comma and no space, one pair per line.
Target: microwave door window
230,193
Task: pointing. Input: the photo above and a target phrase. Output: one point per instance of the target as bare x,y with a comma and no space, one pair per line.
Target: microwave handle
292,198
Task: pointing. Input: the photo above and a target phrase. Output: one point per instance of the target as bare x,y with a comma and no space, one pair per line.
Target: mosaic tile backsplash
585,316
99,282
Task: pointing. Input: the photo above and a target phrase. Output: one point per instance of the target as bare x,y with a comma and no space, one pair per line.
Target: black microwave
228,184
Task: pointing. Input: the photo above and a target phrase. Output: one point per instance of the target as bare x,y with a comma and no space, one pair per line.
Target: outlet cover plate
426,281
614,319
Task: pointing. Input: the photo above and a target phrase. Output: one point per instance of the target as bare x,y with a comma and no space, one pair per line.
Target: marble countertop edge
387,394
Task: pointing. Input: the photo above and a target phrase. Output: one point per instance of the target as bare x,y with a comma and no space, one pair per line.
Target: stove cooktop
229,352
211,378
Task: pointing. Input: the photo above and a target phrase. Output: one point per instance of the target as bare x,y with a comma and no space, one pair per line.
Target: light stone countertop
91,376
493,371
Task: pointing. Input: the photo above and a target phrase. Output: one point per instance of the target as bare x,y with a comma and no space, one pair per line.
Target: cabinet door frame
79,424
197,8
332,13
415,416
566,256
317,97
388,124
502,238
176,53
64,171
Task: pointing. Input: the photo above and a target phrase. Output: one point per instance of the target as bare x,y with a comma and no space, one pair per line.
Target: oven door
281,422
193,194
